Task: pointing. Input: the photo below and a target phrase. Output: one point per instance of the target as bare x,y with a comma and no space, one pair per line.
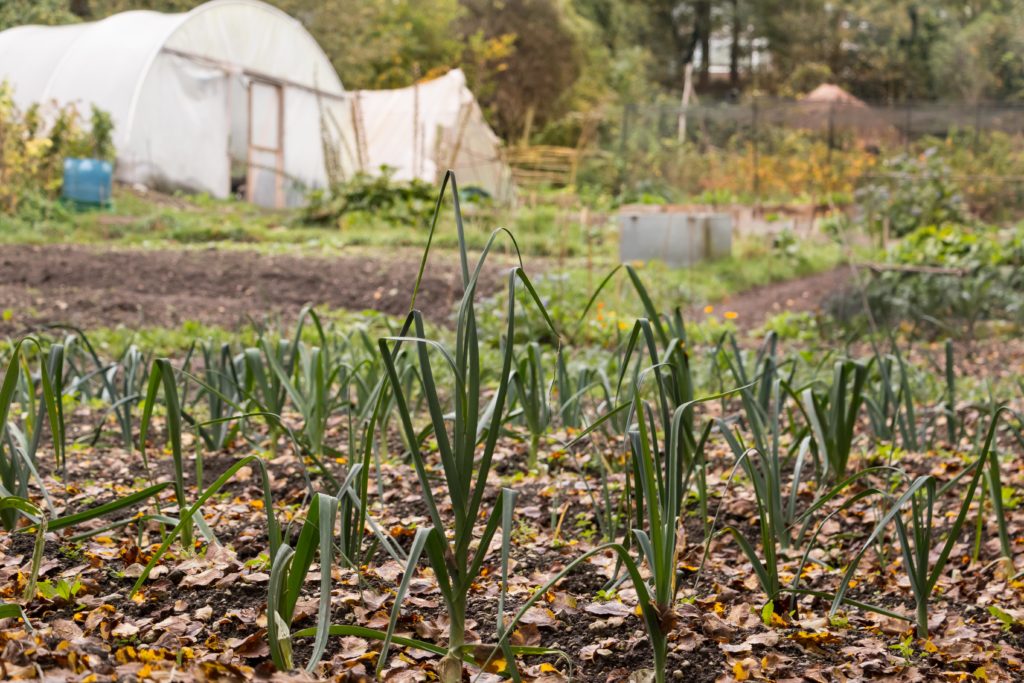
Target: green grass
176,340
153,220
551,226
567,290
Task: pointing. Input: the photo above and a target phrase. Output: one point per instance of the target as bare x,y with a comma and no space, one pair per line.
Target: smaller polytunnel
234,93
426,128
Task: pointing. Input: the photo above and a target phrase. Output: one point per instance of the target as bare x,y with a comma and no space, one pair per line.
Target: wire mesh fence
818,151
836,123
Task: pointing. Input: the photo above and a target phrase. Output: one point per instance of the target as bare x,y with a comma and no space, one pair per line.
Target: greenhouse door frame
256,149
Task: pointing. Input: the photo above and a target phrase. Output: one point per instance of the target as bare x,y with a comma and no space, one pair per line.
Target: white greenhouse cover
180,90
422,130
236,91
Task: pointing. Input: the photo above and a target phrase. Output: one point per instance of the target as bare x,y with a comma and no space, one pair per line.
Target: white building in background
236,93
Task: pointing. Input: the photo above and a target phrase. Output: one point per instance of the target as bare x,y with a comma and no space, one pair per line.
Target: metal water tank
678,238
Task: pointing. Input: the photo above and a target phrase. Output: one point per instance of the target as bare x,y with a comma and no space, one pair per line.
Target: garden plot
414,502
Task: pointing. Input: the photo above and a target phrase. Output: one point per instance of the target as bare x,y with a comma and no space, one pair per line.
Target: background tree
545,67
528,88
46,12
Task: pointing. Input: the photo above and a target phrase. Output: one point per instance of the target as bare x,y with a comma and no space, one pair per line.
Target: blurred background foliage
570,57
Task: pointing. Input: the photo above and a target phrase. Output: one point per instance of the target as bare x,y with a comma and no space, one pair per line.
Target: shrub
33,146
372,197
945,274
910,192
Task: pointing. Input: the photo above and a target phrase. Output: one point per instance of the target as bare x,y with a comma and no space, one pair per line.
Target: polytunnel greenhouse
233,95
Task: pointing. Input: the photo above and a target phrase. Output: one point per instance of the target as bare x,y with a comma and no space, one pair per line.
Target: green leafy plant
64,589
34,146
14,611
378,196
911,191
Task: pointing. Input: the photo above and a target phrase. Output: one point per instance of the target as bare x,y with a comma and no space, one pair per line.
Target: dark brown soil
807,294
89,287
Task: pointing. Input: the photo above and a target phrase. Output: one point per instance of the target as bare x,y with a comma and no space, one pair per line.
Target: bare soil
89,287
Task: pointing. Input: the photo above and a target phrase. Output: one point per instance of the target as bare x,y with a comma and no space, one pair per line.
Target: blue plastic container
88,181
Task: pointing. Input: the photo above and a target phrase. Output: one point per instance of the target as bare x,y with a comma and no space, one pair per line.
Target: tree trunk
80,8
734,46
704,28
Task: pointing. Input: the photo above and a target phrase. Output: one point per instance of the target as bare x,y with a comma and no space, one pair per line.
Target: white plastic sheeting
236,90
177,87
422,130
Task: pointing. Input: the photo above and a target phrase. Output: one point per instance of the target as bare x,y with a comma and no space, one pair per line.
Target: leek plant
666,464
264,390
993,483
26,507
39,401
832,417
952,419
663,472
467,436
923,559
571,391
288,370
775,475
532,393
309,381
187,516
368,415
466,449
120,383
765,468
287,574
161,376
18,447
222,371
890,401
665,331
766,464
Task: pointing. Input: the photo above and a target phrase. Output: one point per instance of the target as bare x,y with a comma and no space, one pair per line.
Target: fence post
757,160
625,127
831,130
623,142
906,128
977,125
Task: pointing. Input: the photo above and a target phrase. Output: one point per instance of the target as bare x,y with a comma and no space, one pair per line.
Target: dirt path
91,287
754,306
